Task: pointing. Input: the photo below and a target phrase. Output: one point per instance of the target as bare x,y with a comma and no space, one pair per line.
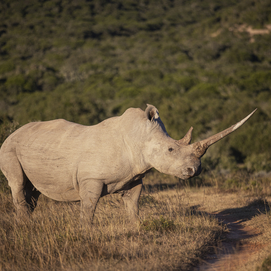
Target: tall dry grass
171,235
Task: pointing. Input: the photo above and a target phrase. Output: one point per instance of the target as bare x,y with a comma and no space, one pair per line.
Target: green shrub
256,83
266,265
15,83
203,90
232,183
7,128
7,66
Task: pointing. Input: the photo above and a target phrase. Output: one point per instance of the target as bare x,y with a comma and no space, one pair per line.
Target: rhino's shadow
237,215
195,182
151,188
245,213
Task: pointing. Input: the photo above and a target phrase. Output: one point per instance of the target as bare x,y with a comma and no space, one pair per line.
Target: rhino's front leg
90,192
130,197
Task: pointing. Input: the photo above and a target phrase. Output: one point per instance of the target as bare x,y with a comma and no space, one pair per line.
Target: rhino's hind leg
16,180
130,197
31,195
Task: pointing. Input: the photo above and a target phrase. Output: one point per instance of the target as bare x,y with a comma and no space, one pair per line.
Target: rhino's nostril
190,171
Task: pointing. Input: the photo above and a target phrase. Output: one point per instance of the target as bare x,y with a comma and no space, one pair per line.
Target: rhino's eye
170,149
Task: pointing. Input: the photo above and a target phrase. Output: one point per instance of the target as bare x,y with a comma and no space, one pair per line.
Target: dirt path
233,252
246,244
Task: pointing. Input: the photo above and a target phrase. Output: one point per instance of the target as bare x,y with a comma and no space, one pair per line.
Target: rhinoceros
66,161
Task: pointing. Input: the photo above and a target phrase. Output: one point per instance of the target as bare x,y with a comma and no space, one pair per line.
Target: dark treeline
205,64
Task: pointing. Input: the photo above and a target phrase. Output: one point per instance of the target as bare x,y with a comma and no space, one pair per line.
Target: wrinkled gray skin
70,162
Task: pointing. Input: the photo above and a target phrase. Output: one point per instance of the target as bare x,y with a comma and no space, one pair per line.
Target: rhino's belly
68,195
54,180
60,191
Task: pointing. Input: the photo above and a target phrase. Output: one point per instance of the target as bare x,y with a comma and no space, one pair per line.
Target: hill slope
203,64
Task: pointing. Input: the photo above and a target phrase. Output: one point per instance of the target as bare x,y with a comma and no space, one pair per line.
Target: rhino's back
49,139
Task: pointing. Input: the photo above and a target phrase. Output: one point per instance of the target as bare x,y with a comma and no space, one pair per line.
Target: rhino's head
179,157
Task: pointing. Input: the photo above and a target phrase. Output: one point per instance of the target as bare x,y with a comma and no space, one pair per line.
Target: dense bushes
197,62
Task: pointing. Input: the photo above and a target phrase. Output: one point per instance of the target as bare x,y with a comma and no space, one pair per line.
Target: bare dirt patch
240,243
245,28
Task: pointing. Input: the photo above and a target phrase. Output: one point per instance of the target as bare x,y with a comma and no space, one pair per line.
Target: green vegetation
198,62
266,265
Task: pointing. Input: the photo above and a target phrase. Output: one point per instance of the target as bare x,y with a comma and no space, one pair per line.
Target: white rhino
70,162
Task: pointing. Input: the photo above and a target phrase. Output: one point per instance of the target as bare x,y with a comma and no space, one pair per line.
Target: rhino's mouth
198,171
190,172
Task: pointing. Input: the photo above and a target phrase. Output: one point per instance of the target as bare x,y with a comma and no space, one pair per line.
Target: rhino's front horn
199,148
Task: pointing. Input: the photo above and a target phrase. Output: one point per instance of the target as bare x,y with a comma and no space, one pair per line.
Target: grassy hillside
202,64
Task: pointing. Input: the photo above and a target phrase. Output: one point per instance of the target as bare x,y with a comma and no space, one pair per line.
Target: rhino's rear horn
199,148
187,138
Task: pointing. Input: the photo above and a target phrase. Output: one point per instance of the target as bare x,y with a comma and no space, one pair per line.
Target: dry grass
171,235
176,229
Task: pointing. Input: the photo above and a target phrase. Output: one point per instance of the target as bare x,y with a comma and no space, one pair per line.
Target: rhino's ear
151,112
